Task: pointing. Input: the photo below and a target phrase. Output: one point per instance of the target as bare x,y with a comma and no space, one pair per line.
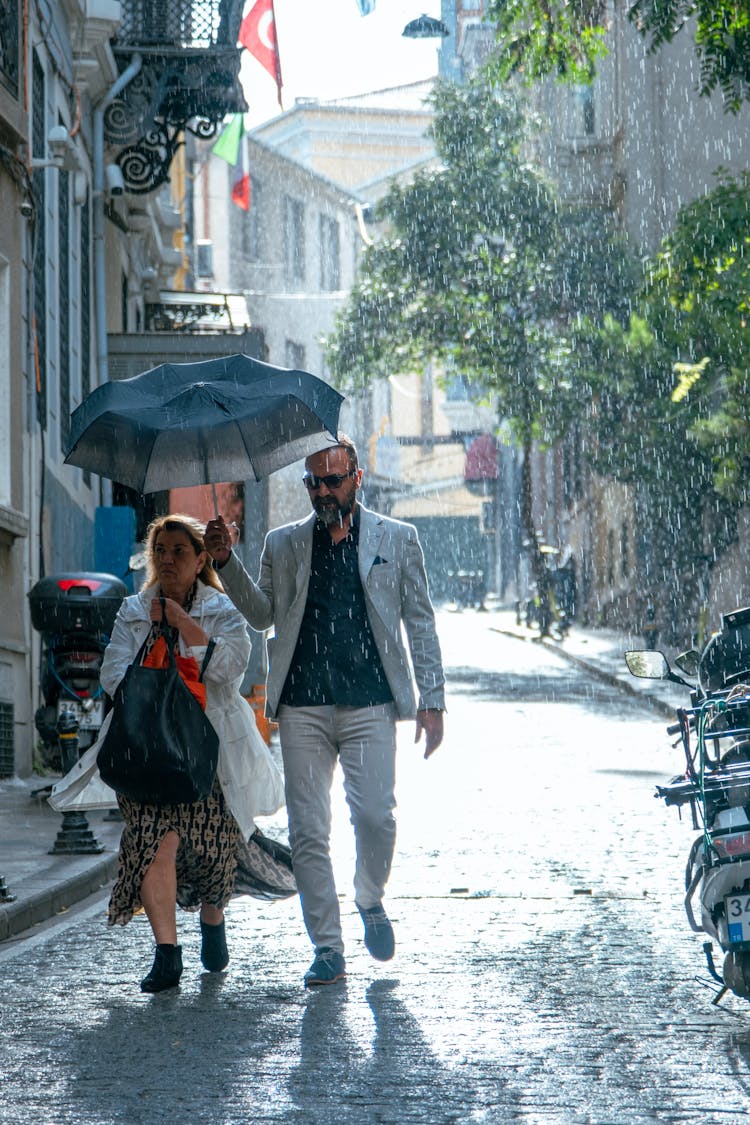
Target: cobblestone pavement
544,972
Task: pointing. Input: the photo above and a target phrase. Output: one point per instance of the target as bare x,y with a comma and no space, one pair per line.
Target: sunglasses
333,480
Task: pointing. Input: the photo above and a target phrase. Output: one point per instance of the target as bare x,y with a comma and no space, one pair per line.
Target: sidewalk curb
649,700
16,917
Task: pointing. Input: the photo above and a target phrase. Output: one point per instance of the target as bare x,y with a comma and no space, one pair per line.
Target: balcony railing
182,24
9,41
189,79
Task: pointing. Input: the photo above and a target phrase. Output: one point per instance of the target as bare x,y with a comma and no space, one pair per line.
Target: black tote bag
160,748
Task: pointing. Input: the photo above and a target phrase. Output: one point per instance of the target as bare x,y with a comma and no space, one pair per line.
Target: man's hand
218,540
431,722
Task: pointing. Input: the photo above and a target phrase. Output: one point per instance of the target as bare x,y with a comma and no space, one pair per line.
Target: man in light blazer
340,589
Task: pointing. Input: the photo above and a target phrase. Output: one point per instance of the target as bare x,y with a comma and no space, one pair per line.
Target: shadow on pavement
217,1057
343,1078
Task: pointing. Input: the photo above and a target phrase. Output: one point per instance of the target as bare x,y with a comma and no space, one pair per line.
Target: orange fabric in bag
187,666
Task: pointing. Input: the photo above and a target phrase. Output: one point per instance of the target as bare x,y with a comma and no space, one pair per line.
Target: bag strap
206,657
170,646
165,632
138,659
209,647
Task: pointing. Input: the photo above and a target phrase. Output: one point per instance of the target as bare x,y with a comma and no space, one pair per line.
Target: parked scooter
75,614
714,732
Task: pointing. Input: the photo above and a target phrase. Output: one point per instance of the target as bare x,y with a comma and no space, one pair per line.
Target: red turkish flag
258,35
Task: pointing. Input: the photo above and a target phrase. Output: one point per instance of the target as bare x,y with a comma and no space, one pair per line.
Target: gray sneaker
379,940
328,967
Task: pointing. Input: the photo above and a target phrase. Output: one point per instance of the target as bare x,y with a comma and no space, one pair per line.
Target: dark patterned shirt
335,661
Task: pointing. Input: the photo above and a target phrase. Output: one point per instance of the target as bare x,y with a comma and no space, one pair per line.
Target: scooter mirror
137,561
688,662
647,664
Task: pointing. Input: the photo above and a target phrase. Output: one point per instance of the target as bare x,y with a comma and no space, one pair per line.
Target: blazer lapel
371,531
301,543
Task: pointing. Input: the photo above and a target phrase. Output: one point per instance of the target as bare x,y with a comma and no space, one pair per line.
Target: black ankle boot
214,952
166,969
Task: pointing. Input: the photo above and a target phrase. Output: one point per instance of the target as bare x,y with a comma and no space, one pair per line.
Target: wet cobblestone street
544,973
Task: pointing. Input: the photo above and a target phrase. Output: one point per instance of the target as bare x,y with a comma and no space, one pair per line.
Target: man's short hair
345,442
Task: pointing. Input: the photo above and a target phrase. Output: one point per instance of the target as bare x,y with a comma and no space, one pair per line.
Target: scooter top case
76,602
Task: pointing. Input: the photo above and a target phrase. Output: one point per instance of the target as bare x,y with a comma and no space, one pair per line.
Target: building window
124,301
39,328
293,228
7,753
578,463
328,240
9,54
584,120
610,557
63,297
572,468
458,389
567,473
253,241
294,355
85,304
5,336
204,258
624,549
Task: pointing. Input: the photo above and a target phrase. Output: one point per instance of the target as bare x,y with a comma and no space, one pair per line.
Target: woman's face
176,563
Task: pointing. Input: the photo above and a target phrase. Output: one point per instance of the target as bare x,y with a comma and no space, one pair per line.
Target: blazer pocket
383,576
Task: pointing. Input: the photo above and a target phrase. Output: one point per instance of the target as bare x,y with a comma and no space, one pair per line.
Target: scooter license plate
738,917
87,720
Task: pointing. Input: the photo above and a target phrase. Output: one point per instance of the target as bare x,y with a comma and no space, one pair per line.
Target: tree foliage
485,270
564,38
482,267
671,389
698,299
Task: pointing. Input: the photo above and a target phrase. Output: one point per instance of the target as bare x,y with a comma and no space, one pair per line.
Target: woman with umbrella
186,854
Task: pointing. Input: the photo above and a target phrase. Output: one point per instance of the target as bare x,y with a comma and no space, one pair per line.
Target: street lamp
425,27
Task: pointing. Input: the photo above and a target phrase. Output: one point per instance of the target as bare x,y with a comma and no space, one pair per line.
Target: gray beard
331,514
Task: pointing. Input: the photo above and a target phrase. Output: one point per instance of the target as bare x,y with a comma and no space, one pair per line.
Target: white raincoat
250,779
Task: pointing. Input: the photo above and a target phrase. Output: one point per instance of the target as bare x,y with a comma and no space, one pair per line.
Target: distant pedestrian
339,587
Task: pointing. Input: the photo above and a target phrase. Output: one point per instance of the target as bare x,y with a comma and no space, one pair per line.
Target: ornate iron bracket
189,90
145,165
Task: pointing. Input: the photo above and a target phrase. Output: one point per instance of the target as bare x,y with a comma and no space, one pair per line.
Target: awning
188,311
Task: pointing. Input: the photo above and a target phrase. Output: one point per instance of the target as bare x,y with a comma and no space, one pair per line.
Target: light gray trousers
363,739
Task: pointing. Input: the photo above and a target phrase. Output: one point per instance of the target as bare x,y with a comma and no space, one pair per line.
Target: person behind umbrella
187,853
338,587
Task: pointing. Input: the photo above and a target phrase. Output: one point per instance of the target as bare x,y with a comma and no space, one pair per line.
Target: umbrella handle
233,525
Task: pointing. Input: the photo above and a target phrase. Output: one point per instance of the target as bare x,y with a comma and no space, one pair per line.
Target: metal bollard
75,837
5,895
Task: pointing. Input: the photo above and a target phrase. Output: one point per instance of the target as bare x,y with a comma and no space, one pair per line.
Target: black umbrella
183,424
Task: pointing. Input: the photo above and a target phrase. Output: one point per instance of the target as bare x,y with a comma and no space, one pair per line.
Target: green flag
228,145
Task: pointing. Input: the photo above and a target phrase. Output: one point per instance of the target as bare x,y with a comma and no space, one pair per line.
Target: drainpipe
100,296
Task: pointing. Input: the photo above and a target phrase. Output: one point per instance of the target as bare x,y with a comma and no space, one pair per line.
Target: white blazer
391,567
250,779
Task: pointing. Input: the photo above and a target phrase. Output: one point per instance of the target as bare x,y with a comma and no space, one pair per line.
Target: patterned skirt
206,856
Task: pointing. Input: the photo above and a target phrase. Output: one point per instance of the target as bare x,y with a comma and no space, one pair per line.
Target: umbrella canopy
183,424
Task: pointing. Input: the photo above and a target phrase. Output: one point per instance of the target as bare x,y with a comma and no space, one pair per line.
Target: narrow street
544,973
